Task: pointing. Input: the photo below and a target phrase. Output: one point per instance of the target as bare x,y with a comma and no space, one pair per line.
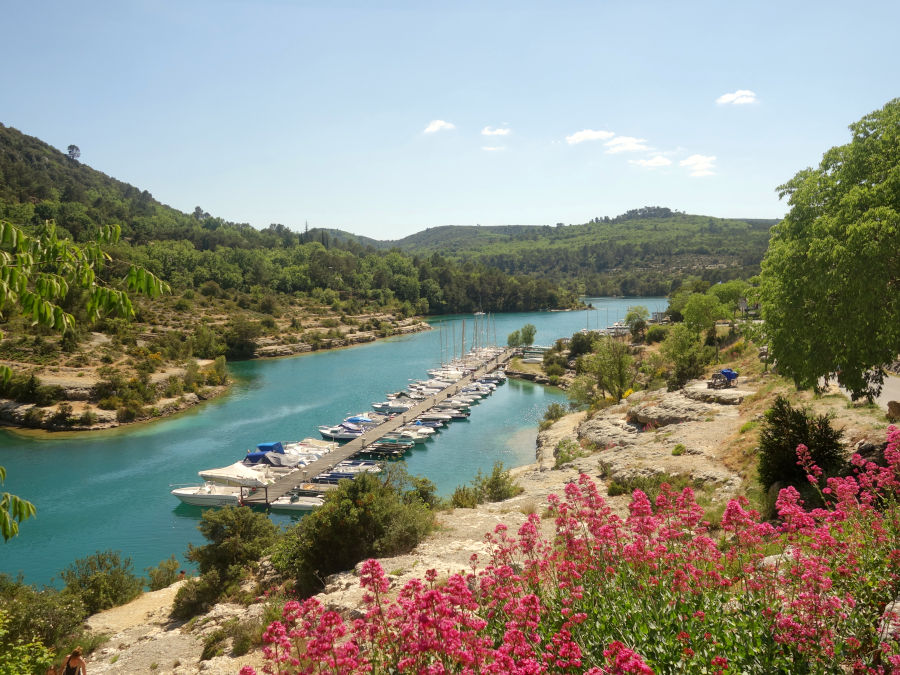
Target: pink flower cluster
653,591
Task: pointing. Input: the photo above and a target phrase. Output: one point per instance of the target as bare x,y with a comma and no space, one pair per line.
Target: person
74,664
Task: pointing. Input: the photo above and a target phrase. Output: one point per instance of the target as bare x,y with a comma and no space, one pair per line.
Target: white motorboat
209,494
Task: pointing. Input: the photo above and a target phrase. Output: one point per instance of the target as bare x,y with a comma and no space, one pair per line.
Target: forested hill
39,183
641,252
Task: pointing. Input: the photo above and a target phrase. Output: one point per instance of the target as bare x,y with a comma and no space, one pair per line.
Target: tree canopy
830,277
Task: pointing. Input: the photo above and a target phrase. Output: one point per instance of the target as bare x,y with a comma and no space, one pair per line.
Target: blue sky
386,118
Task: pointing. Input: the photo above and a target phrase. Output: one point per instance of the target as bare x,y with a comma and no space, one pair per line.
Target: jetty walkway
297,479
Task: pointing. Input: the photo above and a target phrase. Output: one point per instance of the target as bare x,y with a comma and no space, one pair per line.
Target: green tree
527,333
683,348
830,276
636,319
701,311
611,366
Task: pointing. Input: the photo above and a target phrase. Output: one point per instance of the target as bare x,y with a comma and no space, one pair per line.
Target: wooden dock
265,496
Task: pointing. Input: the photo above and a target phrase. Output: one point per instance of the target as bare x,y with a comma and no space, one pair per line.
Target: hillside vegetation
645,251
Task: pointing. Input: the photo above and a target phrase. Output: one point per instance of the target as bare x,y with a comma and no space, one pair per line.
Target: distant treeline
647,251
189,250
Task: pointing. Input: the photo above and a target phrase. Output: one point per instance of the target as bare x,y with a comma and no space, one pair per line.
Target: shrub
47,615
196,596
678,450
19,656
87,418
566,450
465,497
102,580
370,515
236,536
163,575
782,431
655,334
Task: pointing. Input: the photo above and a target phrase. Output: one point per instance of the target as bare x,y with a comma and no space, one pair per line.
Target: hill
642,252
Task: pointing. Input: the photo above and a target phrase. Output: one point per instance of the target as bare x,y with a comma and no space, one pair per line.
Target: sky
384,118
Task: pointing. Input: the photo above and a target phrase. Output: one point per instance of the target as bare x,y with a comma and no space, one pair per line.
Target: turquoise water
110,489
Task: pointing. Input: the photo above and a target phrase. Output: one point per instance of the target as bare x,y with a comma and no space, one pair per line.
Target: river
110,489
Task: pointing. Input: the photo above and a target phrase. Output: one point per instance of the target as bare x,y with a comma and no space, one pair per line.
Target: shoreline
13,413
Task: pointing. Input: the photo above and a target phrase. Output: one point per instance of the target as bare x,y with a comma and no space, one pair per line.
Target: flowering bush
648,593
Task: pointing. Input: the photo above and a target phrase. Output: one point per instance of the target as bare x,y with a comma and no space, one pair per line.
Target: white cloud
488,131
492,148
626,144
588,135
700,165
437,125
739,97
653,162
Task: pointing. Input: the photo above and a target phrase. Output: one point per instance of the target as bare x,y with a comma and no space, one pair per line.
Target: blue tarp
275,446
729,374
255,457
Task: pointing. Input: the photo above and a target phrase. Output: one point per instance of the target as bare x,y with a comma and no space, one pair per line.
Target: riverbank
81,409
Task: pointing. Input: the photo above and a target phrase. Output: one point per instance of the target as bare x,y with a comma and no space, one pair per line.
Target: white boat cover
236,474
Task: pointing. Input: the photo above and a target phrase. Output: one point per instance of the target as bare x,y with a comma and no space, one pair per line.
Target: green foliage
497,486
656,334
701,311
237,536
683,348
678,450
163,575
636,319
580,343
102,580
566,451
553,412
372,515
785,428
20,656
48,616
13,510
611,368
651,485
834,255
195,596
522,337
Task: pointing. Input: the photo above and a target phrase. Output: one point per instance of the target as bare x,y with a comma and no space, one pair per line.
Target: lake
110,489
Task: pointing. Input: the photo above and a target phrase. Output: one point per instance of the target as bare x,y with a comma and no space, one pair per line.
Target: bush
163,575
678,450
465,497
372,515
47,615
102,580
566,450
196,596
782,431
655,334
237,536
498,486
